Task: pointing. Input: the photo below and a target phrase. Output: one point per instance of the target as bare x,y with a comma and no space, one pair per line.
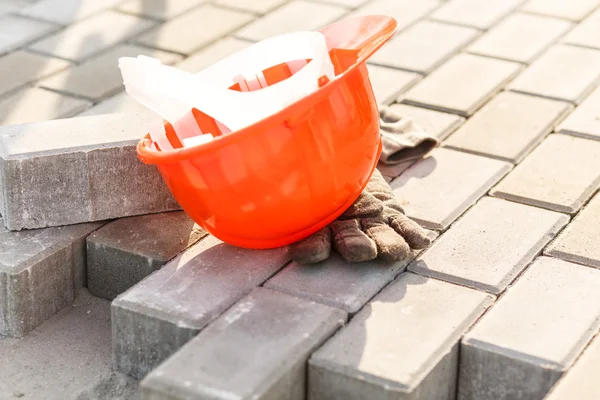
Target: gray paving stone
505,40
388,82
574,10
36,105
160,314
490,245
424,46
25,68
195,29
346,3
581,381
587,33
402,345
211,54
40,273
100,76
65,12
161,10
584,121
462,85
90,36
123,252
255,6
560,174
87,166
297,15
436,123
520,348
578,242
120,103
509,126
475,13
563,73
17,31
258,349
406,12
438,189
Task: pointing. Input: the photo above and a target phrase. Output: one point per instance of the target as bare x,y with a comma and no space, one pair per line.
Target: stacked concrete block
161,313
256,350
77,170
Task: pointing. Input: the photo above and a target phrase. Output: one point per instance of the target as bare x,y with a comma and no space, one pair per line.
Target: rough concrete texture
87,166
581,381
522,346
579,241
490,245
123,252
583,121
111,386
61,357
256,350
474,12
561,174
161,313
438,189
40,273
403,345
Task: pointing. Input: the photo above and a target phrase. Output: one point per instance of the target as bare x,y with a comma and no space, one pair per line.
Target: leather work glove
374,226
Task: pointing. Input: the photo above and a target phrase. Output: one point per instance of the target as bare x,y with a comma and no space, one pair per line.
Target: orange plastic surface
287,176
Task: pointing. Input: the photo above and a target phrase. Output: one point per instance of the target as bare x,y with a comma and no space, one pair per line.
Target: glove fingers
390,245
379,188
412,232
365,206
351,242
313,249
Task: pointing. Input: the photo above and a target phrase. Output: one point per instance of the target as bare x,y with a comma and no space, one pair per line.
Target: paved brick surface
190,31
64,12
574,10
16,32
587,33
474,13
490,245
403,345
86,166
161,10
388,82
25,68
119,103
462,85
164,311
123,252
563,72
581,381
406,12
424,46
257,349
256,6
211,54
577,242
584,121
560,174
509,126
438,189
525,342
40,273
506,40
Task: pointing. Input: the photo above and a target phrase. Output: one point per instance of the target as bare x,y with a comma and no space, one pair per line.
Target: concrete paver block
90,36
189,32
17,31
161,10
255,6
36,105
578,242
297,15
584,121
211,54
462,85
561,174
123,252
534,333
25,68
121,103
402,345
258,349
346,3
40,273
505,41
490,245
65,12
509,126
574,10
160,314
87,166
481,15
100,76
563,73
436,123
438,189
406,12
581,381
587,33
388,82
424,46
